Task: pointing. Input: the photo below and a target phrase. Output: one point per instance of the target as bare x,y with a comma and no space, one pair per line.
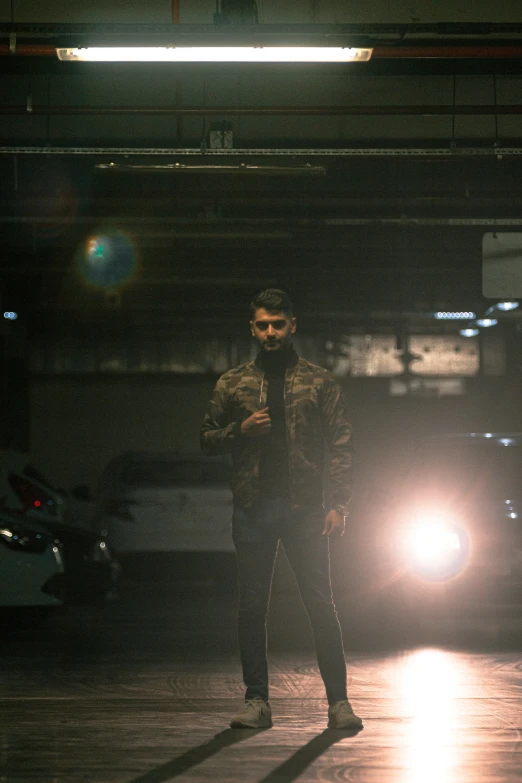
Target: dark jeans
257,533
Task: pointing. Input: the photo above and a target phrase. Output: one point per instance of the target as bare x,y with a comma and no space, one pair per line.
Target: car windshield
175,473
489,468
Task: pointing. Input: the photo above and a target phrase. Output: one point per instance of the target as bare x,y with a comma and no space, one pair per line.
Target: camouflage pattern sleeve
337,431
219,435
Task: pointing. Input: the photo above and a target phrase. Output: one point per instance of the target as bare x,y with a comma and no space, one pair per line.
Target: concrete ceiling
363,188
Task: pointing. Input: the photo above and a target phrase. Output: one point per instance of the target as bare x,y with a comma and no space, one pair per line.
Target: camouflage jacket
315,418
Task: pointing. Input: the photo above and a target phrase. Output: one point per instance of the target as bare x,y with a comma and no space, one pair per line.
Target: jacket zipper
260,398
287,442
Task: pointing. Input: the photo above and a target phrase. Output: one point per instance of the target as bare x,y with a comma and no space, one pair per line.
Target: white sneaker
341,716
256,714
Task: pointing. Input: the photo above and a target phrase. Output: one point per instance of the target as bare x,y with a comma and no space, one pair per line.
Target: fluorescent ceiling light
504,307
485,322
469,332
242,168
454,316
216,54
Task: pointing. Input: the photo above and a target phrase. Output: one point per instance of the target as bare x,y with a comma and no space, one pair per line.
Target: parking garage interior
142,206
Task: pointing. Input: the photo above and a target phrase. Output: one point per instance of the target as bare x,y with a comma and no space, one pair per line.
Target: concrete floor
141,691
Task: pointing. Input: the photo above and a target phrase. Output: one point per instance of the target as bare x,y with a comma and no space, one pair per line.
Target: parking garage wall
79,423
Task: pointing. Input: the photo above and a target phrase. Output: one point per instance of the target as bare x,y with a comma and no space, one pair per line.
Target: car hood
58,530
13,518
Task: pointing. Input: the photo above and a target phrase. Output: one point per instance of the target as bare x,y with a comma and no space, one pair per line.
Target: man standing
274,416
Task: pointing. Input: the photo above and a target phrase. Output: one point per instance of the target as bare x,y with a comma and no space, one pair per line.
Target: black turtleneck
273,470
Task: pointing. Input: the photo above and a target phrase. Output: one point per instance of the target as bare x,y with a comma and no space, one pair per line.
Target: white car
31,567
165,502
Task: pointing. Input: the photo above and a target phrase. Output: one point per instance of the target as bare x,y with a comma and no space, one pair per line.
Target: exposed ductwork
389,41
267,111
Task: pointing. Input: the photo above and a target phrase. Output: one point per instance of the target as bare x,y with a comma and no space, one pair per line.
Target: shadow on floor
197,755
293,767
289,771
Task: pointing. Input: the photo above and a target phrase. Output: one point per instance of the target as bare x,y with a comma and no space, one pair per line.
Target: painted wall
78,424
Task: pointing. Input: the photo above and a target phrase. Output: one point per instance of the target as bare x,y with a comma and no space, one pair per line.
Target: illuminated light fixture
454,316
431,541
241,168
435,547
216,54
10,316
469,332
485,322
504,307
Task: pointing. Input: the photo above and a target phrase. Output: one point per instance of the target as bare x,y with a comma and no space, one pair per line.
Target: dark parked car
90,572
31,565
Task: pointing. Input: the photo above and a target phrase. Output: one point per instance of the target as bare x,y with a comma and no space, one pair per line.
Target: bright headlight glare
431,541
187,54
435,547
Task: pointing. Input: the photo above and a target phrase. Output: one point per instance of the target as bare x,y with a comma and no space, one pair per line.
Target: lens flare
108,260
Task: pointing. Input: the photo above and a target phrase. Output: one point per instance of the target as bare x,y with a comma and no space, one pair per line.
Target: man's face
272,330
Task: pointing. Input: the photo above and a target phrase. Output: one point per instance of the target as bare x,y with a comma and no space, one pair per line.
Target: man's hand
334,524
259,423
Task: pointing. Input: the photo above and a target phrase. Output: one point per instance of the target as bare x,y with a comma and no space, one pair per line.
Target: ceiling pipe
240,111
28,50
179,83
446,52
446,152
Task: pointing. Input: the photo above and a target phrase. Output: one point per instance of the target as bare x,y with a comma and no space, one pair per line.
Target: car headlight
435,547
23,539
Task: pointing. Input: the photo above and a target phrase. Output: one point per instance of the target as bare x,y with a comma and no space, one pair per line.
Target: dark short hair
274,300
